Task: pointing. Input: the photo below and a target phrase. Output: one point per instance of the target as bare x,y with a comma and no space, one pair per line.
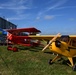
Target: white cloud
17,6
67,7
56,4
37,18
52,5
72,19
19,17
48,17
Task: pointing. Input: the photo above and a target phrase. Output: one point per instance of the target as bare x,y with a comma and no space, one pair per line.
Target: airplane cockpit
65,38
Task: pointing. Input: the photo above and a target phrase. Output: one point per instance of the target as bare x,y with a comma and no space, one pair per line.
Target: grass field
30,61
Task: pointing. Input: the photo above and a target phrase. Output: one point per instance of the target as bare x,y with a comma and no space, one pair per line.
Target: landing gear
50,62
14,49
9,48
74,67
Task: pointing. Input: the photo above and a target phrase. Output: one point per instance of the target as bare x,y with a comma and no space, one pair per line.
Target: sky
49,16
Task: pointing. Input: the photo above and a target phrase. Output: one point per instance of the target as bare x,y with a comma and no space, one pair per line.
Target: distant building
3,38
4,24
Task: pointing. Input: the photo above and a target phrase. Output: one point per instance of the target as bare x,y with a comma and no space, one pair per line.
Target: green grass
30,61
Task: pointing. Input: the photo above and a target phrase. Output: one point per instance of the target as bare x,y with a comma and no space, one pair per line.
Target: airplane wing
49,37
32,29
72,36
45,37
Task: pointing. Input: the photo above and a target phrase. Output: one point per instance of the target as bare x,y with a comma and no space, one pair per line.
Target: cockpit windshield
65,38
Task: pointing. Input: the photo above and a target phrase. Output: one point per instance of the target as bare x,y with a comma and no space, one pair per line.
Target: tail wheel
74,67
50,63
9,48
15,49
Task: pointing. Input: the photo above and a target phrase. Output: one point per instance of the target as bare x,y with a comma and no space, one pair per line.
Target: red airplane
19,36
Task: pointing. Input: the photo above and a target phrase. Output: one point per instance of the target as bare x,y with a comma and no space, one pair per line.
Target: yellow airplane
64,46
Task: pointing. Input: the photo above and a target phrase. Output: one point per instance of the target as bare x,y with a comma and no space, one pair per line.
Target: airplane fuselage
64,49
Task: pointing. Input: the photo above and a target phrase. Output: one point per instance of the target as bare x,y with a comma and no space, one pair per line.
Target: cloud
20,8
17,6
56,4
37,18
19,17
48,17
50,6
67,7
72,19
14,18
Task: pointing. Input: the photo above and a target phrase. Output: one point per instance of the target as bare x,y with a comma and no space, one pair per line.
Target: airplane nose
57,43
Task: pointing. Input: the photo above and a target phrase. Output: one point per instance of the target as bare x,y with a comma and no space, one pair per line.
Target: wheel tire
74,67
15,49
50,63
9,47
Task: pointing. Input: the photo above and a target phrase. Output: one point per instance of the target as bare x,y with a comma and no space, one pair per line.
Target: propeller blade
54,38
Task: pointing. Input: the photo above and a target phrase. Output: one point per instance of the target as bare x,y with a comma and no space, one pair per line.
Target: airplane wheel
15,49
50,62
74,67
9,47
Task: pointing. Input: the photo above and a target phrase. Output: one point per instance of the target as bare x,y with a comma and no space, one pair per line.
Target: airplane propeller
53,39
